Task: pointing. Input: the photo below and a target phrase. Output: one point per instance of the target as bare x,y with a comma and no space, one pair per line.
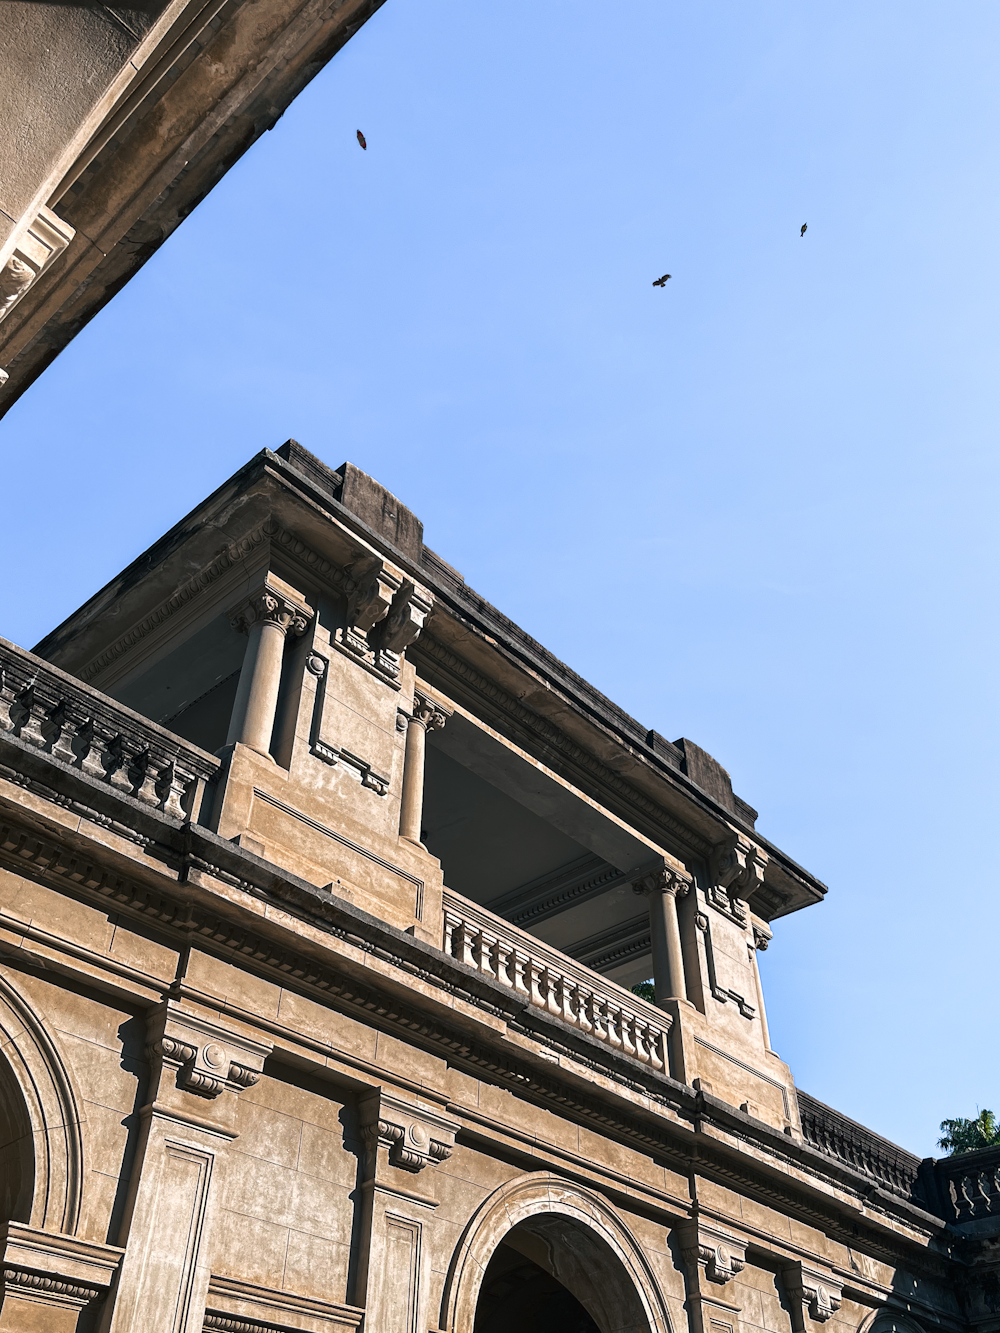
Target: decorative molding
51,1290
814,1295
719,992
238,1306
325,750
719,1254
547,896
762,935
56,1269
414,1135
43,241
385,615
892,1167
230,557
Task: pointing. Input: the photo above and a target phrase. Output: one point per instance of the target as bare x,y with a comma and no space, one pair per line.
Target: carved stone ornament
814,1293
406,617
44,240
414,1135
208,1060
270,606
761,936
738,866
720,1255
428,713
663,879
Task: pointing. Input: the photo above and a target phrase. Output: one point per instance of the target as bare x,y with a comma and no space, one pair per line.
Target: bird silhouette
805,228
662,282
361,141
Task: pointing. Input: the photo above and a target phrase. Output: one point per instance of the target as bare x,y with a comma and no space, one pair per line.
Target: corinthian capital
662,879
428,713
271,604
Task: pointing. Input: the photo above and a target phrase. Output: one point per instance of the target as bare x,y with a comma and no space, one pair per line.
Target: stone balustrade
550,980
970,1185
891,1167
53,712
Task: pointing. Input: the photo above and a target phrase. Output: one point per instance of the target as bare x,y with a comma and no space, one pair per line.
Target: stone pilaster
199,1067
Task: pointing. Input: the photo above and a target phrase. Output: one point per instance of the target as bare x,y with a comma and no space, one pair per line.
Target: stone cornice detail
54,1268
737,866
662,879
270,605
232,556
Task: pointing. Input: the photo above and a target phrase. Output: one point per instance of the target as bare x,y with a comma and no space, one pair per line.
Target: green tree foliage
645,991
969,1135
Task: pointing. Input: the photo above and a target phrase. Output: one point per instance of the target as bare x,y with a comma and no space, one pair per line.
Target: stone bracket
207,1058
43,241
414,1135
718,1254
815,1295
737,867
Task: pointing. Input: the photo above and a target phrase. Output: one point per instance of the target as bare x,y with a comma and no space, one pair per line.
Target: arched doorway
542,1254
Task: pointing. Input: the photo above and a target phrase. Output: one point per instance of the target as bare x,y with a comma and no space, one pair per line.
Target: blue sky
755,508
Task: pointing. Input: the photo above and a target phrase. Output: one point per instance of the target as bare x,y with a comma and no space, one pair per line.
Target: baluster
116,762
553,998
6,699
981,1198
86,745
143,778
520,961
596,1015
584,1008
993,1189
59,730
641,1040
657,1050
567,997
965,1209
450,923
484,952
172,789
464,936
25,714
628,1040
614,1027
536,983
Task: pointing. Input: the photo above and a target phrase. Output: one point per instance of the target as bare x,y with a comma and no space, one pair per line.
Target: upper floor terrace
291,668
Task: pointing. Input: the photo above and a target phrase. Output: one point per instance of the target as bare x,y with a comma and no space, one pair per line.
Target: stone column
761,939
661,888
427,715
266,617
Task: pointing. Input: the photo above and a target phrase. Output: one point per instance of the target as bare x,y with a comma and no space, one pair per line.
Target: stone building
322,891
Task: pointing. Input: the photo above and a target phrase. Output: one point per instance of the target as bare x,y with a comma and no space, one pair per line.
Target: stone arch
889,1321
41,1153
586,1246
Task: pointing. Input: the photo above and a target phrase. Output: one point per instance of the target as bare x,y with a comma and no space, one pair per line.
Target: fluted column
661,888
266,617
427,715
761,939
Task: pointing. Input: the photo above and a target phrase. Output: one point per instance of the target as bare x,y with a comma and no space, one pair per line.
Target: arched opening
17,1157
542,1254
518,1293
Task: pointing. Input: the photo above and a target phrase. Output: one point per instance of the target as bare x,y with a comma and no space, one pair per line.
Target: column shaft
266,617
411,808
662,889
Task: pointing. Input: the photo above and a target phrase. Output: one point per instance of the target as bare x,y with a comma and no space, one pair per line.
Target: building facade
322,891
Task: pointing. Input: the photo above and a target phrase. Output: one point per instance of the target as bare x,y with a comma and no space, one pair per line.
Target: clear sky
756,508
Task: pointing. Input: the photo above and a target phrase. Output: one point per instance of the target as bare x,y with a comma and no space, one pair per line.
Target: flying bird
361,141
805,228
662,282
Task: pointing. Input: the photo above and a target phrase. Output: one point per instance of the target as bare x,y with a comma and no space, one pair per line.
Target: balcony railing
970,1185
555,983
890,1166
55,713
